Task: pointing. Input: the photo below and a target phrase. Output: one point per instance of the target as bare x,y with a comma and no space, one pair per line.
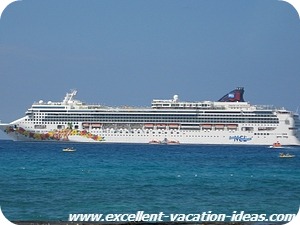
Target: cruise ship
229,121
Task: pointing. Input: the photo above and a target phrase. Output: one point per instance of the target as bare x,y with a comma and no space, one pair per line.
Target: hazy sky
127,52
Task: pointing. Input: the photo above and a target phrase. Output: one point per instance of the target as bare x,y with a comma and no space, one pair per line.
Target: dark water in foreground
40,182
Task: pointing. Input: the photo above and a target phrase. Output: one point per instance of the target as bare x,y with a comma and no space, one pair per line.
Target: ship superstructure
229,120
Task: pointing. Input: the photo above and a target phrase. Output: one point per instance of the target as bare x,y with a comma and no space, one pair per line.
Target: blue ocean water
40,182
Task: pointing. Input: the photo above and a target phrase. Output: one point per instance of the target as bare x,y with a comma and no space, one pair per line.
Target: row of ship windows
190,126
133,120
199,136
159,133
149,132
56,122
173,134
129,111
151,118
131,135
151,115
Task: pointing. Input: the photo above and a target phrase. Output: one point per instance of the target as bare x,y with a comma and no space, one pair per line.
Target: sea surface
40,182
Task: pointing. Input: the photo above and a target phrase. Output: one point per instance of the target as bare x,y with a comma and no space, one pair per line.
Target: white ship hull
209,137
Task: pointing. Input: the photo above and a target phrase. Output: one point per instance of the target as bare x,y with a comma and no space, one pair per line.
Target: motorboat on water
69,149
154,142
173,143
164,142
286,155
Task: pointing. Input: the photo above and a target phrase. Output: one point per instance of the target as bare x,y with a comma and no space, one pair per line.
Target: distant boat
164,142
170,142
276,145
287,155
69,149
154,142
173,143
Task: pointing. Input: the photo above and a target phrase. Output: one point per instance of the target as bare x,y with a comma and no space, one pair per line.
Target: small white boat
69,149
287,155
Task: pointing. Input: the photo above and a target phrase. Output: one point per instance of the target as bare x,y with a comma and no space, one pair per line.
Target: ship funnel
234,96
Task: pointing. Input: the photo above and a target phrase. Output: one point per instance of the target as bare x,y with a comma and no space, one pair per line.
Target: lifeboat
96,125
206,126
86,125
232,126
161,126
173,126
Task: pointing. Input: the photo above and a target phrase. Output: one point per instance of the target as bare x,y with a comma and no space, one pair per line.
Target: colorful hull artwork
55,135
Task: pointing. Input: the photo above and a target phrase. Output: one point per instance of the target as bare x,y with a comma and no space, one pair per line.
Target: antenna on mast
69,97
